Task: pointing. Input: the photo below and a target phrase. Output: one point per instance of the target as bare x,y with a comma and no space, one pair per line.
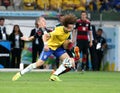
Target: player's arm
30,38
45,38
90,35
74,33
27,38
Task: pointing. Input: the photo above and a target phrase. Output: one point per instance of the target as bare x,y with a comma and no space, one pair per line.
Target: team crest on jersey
39,33
84,28
80,24
87,24
45,56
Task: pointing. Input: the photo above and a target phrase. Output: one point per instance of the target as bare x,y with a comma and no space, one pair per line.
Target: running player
53,45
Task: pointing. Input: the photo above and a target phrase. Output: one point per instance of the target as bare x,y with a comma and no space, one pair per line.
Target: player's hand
90,44
24,38
46,48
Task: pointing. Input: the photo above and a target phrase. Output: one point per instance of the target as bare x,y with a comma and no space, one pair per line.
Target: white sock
60,69
28,68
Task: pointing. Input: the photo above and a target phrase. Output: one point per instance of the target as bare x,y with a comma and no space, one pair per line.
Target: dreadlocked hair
69,19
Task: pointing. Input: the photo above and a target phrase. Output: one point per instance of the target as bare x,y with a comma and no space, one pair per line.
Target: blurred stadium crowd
57,5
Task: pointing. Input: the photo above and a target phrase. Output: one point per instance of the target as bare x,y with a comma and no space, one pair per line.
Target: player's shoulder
87,20
58,27
78,20
33,29
58,30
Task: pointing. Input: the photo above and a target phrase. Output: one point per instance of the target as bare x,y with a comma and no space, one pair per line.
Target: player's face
83,16
61,18
42,22
69,28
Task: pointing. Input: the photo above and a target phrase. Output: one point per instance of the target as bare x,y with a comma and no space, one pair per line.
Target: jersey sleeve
32,33
89,27
76,25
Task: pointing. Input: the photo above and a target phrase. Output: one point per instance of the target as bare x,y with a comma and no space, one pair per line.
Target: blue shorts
57,53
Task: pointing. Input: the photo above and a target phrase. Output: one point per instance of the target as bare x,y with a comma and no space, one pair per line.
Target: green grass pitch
73,82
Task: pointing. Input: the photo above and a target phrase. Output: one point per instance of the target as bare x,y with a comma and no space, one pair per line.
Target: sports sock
60,69
28,68
67,70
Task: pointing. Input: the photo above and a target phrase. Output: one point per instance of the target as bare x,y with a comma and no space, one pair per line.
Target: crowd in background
58,5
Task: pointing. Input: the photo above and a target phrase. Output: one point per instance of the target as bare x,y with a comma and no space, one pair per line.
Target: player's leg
85,52
33,65
84,59
76,58
28,69
65,57
69,52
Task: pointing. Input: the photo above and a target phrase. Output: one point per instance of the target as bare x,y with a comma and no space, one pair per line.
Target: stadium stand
55,5
43,4
2,8
80,5
28,4
68,5
10,8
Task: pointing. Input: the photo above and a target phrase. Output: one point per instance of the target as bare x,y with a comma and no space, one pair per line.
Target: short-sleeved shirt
58,36
83,27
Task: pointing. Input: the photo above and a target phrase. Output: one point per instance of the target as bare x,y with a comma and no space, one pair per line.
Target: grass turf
73,82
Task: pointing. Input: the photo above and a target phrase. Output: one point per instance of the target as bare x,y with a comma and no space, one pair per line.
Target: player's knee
39,63
68,62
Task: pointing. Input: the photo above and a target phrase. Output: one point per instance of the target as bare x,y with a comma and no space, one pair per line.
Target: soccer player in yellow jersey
53,42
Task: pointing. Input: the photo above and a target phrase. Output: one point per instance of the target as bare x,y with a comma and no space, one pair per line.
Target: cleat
82,71
54,78
77,54
16,76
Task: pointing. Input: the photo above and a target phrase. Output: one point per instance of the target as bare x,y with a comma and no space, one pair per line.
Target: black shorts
69,52
83,45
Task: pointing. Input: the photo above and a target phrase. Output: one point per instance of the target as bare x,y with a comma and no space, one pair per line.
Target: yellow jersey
58,36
